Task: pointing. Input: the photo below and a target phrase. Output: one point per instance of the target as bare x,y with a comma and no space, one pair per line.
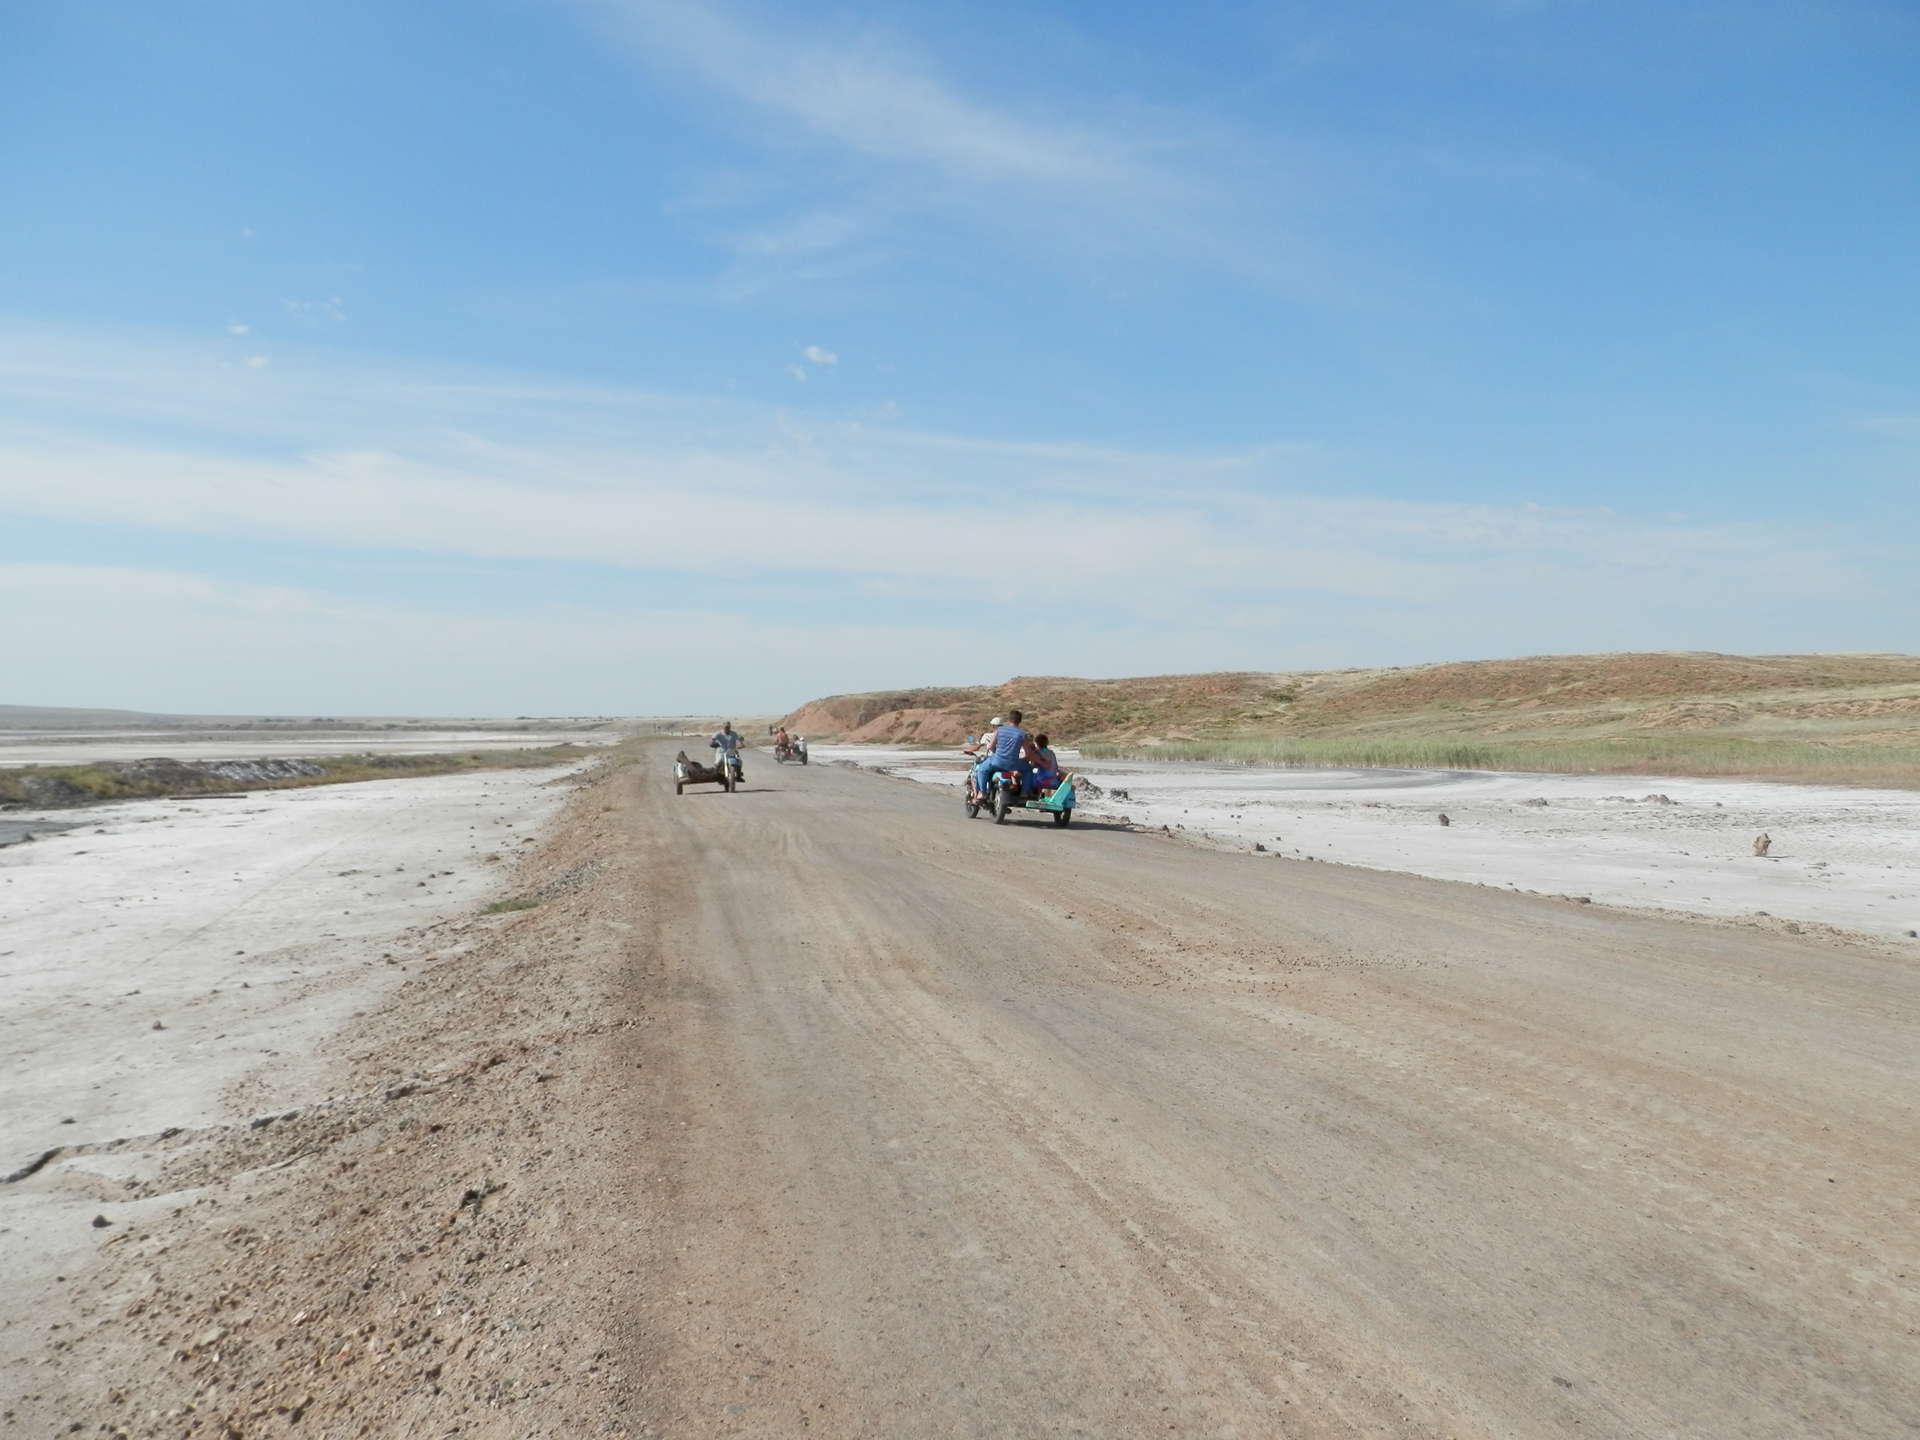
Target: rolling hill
1853,718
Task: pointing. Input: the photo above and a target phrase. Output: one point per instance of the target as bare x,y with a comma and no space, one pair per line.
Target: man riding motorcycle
728,742
1013,751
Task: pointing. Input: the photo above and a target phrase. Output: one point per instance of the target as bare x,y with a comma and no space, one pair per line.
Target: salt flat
1842,857
178,963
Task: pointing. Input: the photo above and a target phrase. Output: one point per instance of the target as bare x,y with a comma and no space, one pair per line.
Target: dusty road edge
385,1261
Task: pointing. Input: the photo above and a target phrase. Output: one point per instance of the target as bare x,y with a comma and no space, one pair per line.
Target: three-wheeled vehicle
1003,794
795,749
726,774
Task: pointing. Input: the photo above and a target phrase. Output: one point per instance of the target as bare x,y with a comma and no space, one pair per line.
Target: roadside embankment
60,786
287,1114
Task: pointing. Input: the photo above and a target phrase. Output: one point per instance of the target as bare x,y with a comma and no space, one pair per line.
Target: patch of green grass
1704,756
504,907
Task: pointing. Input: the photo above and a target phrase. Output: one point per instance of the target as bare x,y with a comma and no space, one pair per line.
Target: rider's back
1007,743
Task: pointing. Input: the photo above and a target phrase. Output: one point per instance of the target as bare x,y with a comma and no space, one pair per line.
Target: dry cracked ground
817,1108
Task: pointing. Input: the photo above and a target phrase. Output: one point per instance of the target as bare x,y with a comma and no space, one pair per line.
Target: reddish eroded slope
1644,693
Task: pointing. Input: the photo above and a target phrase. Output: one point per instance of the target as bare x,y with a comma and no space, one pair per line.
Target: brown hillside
1071,709
1744,704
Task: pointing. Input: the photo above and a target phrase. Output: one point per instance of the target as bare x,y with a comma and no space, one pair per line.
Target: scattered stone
1762,844
100,1222
158,1026
1659,800
1259,848
1537,800
1444,820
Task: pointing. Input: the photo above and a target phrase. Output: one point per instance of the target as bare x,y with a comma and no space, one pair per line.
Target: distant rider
728,743
782,742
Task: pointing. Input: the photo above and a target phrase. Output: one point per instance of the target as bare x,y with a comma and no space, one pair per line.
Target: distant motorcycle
795,750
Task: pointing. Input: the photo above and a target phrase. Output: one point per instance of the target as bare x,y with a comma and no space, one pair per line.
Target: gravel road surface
818,1108
1017,1130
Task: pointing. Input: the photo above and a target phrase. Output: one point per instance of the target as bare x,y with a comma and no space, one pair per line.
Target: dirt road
818,1108
965,1130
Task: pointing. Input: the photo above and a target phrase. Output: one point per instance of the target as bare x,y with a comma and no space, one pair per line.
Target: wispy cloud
332,308
806,235
865,92
1118,180
815,355
945,523
238,328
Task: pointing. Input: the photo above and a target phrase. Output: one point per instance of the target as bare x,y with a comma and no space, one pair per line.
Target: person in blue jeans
1013,750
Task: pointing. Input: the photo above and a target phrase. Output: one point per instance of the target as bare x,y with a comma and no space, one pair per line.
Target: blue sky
627,356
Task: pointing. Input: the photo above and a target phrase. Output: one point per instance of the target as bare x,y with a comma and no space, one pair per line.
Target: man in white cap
985,742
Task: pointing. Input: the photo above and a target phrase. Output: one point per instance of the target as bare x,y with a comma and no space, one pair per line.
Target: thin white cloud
798,373
258,362
801,236
498,469
859,91
238,328
1123,181
332,308
815,355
